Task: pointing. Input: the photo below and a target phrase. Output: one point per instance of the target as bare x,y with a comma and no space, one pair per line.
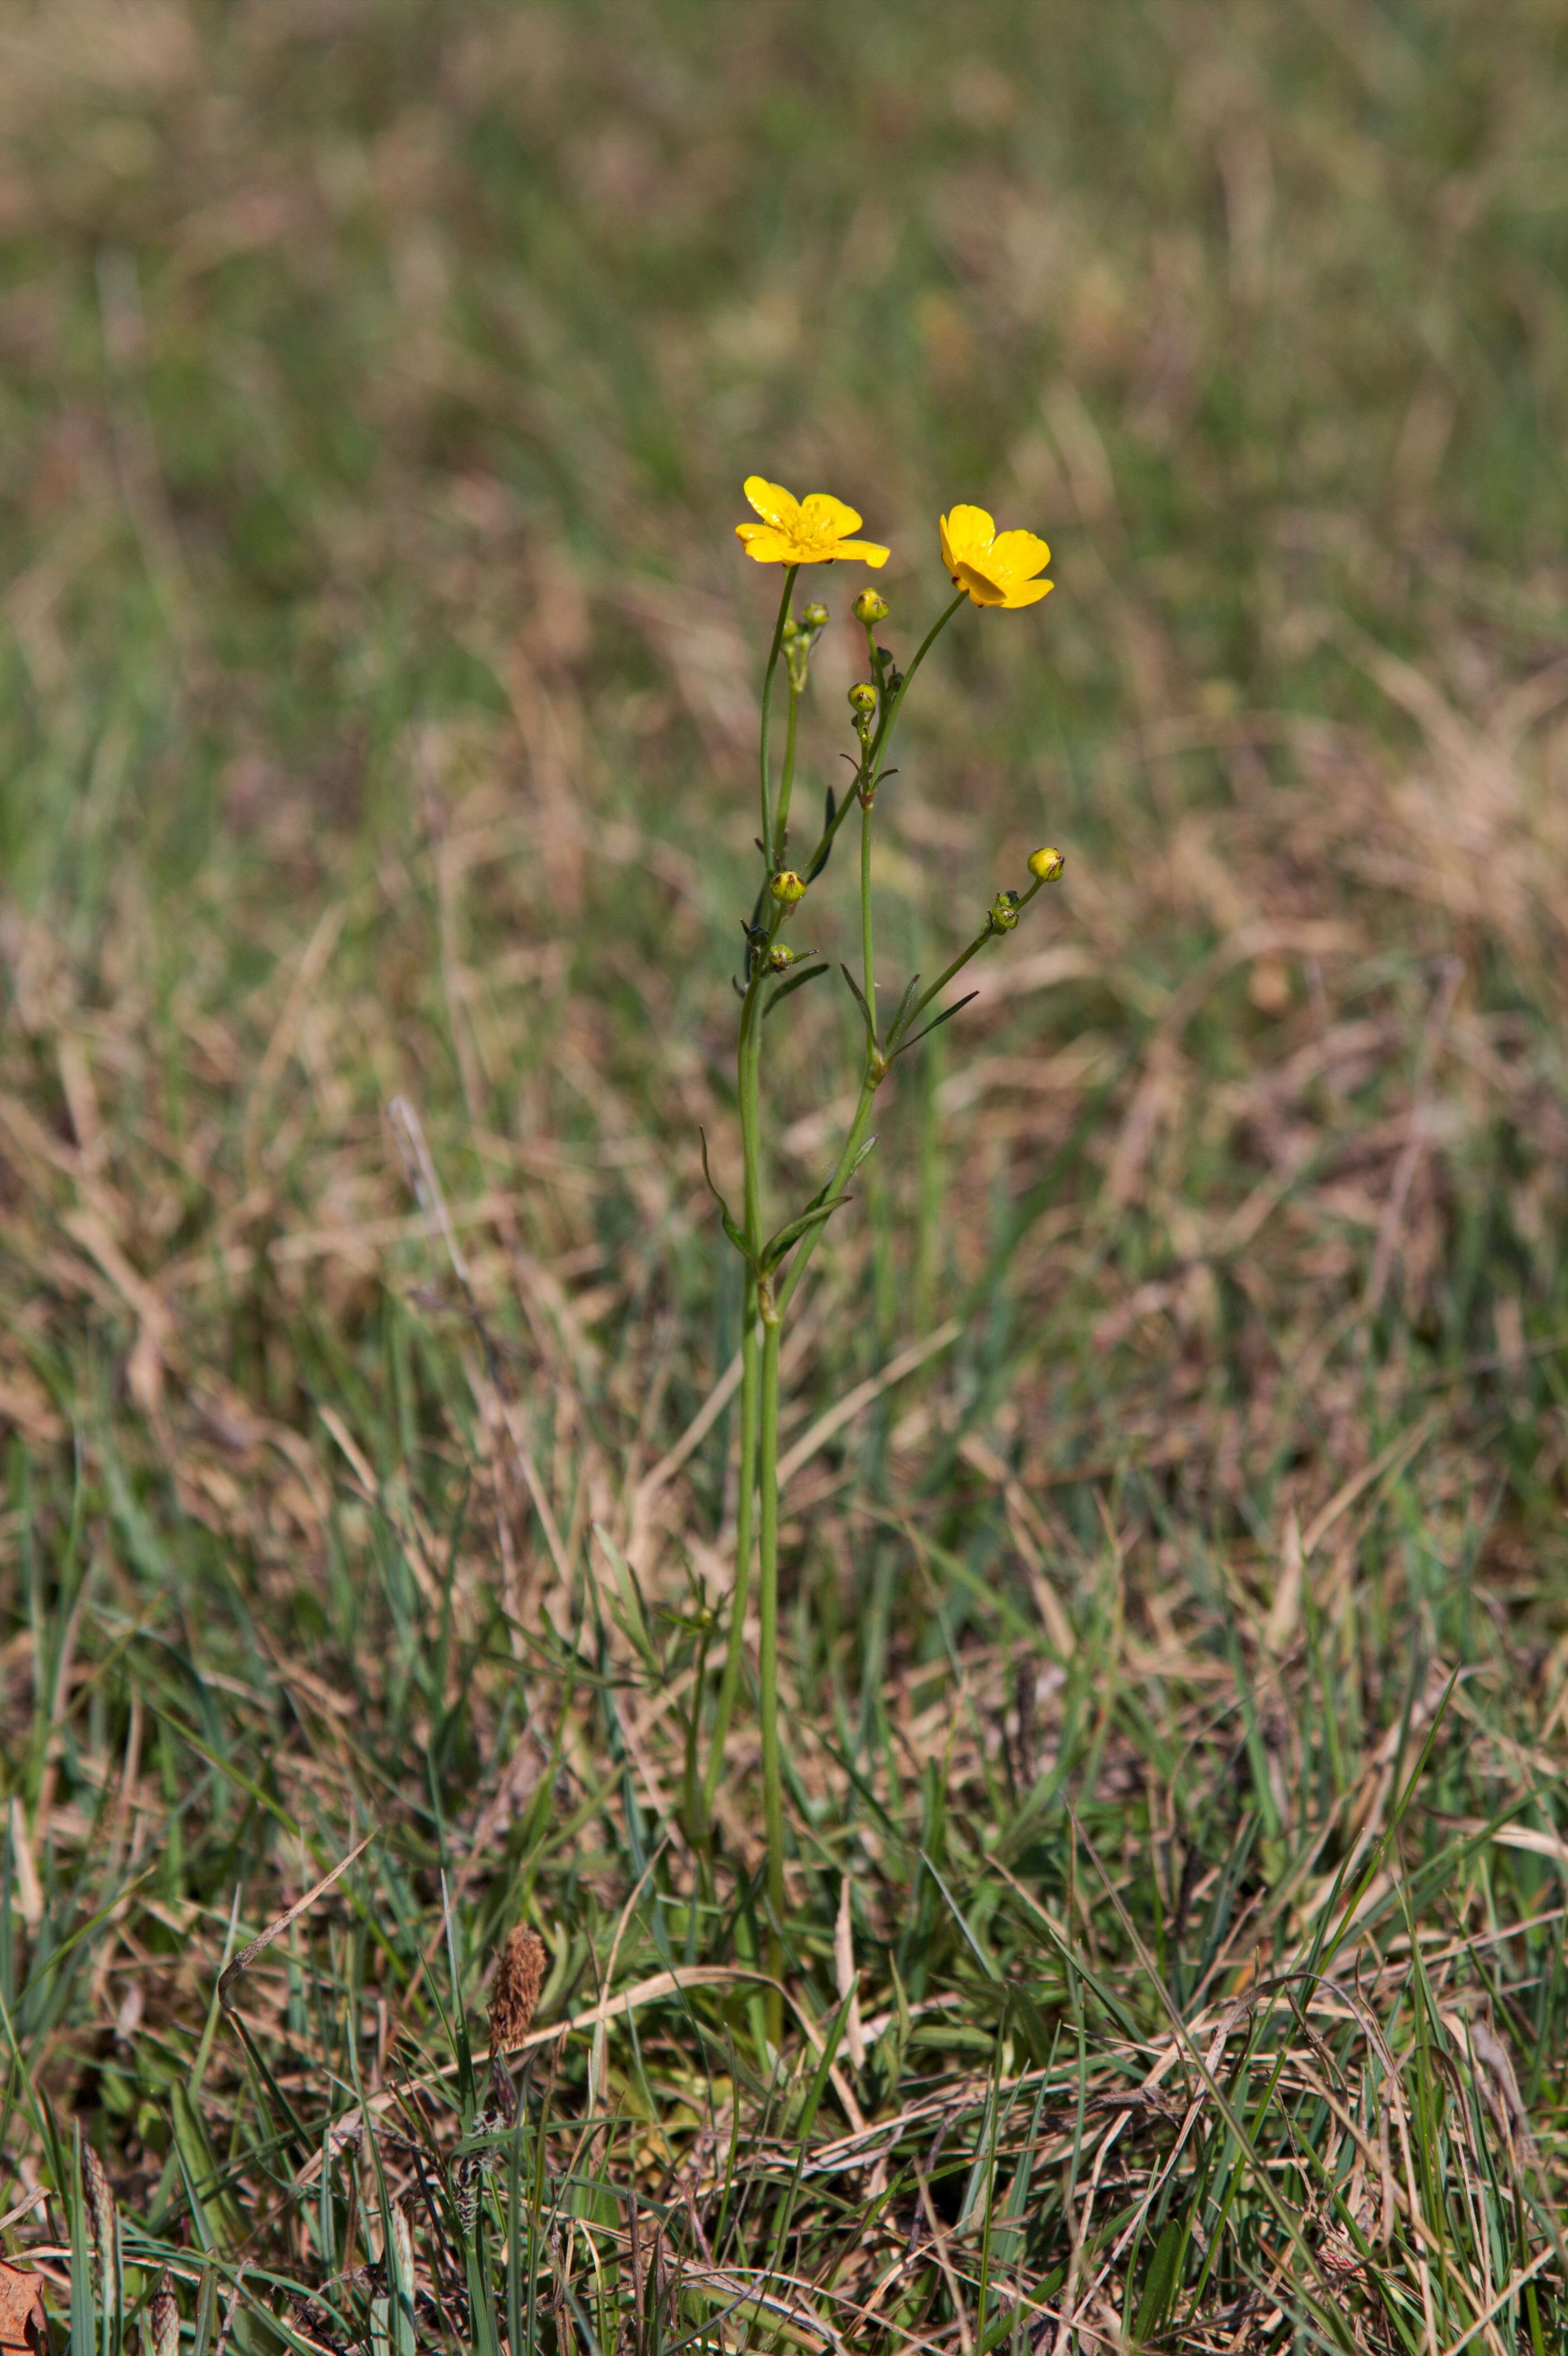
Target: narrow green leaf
944,1017
866,1015
796,981
775,1248
1162,2278
731,1229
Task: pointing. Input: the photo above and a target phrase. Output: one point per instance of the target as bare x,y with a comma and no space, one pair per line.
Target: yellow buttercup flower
812,531
998,568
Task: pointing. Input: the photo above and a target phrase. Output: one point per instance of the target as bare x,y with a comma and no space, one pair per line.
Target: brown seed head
520,1975
104,2218
162,2325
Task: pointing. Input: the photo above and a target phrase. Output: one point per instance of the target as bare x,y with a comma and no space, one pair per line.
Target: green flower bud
814,617
780,960
1046,865
790,629
869,607
1004,912
863,698
787,888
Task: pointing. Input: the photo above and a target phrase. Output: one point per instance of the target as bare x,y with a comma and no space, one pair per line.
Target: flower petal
767,547
967,532
1028,593
983,592
867,551
1016,555
823,517
774,503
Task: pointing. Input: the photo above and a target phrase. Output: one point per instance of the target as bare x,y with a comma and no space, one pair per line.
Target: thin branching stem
768,1649
988,932
889,720
869,772
787,780
745,1528
868,955
767,698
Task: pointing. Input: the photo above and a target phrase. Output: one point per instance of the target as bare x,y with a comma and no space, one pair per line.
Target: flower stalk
987,569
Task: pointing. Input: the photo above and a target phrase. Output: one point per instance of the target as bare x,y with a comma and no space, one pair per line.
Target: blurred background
377,682
378,664
380,679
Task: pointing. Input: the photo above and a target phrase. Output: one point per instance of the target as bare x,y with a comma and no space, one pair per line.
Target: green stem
988,932
877,1066
740,1593
786,783
886,724
853,1141
767,698
869,773
768,1651
867,961
748,1061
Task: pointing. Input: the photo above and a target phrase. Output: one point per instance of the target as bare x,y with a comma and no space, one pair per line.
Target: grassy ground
1178,1625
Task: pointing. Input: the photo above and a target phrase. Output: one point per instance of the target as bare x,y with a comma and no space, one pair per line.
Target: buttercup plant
989,569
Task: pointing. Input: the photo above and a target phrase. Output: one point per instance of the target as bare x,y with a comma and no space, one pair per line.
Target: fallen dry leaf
21,2325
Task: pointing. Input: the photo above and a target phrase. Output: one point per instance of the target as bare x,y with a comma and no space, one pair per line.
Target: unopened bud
869,607
790,629
787,888
814,617
1046,865
1004,912
780,960
863,698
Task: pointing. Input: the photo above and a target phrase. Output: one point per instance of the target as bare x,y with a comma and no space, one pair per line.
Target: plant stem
748,1060
748,1064
868,960
730,1682
768,1648
787,782
852,1144
790,572
988,932
869,772
885,725
876,1067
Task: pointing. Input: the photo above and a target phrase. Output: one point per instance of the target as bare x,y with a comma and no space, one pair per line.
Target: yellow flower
998,568
802,532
